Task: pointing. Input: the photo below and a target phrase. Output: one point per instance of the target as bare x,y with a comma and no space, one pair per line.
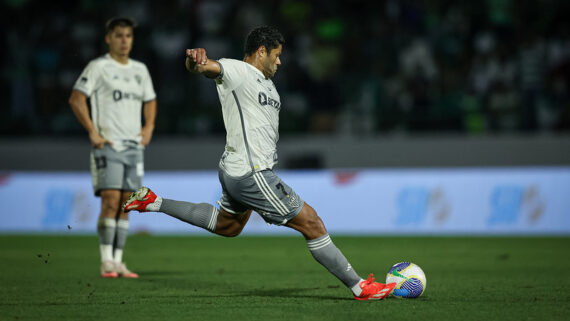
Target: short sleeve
87,81
234,72
148,89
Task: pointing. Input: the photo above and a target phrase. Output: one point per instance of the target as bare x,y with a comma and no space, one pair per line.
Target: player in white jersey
250,107
118,89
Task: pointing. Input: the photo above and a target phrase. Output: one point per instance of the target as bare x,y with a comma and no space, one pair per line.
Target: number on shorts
100,162
281,188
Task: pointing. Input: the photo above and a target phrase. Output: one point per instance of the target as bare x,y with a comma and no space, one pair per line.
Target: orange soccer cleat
373,290
123,272
139,200
108,270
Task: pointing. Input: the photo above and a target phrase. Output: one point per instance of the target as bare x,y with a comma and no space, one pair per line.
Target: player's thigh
134,169
227,202
107,171
233,214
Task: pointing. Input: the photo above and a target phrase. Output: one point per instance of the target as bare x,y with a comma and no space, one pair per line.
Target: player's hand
97,140
197,62
146,134
195,58
197,55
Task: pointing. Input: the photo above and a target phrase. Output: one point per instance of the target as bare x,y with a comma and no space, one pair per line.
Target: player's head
119,35
267,43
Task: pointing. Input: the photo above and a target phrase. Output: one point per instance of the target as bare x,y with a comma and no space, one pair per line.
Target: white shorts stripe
94,176
270,190
268,193
268,196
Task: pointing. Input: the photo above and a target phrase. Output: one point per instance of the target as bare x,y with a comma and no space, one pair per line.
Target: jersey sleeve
87,81
234,72
148,90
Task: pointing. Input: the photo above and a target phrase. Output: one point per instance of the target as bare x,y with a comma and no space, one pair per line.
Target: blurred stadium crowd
349,67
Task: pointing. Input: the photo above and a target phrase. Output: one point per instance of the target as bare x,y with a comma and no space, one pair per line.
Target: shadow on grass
293,293
161,273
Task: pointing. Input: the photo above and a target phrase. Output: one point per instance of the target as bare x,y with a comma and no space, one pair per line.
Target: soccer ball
410,280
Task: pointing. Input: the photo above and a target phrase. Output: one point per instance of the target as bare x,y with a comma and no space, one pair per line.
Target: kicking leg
206,216
201,215
321,246
326,253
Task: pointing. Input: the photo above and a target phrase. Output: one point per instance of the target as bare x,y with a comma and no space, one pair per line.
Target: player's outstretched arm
197,62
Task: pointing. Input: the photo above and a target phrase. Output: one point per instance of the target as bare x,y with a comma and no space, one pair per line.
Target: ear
261,51
108,38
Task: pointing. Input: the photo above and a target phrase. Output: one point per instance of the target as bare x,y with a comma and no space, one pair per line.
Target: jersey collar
257,70
128,64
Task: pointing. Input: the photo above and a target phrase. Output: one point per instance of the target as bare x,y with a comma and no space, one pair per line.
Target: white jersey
116,92
250,106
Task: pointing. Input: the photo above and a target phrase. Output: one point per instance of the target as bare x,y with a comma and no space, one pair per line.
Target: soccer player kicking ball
250,107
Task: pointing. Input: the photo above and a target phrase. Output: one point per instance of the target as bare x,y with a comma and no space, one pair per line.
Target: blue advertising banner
473,201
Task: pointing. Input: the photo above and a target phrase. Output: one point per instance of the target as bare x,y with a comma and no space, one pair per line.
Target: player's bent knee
232,230
110,206
110,198
229,225
308,223
317,227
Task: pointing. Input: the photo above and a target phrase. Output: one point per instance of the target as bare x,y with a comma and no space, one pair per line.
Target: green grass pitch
275,278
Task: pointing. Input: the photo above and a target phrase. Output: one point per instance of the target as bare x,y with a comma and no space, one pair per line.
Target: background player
117,87
250,106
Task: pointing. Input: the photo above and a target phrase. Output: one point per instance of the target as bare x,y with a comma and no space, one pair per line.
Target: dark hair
119,22
266,36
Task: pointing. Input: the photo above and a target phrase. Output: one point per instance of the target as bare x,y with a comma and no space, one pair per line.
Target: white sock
154,206
356,289
106,252
118,257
